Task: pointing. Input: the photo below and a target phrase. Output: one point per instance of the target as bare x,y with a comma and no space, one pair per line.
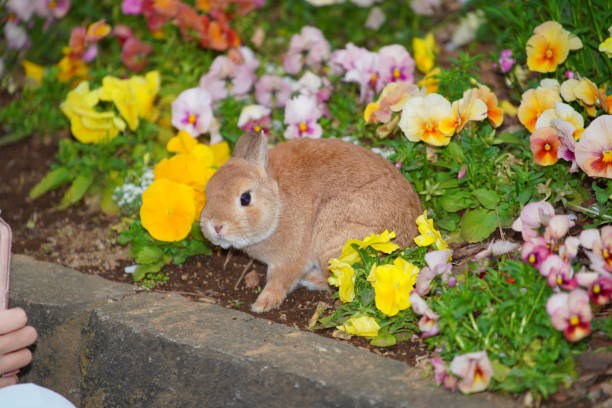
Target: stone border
102,344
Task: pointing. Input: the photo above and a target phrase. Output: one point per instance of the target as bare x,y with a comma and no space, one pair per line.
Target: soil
83,238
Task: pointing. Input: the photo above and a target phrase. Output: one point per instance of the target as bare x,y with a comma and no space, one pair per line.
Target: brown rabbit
294,207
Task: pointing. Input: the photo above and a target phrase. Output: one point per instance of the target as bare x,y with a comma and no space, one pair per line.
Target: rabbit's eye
245,199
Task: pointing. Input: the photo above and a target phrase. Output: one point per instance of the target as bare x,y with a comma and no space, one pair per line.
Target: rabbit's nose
218,228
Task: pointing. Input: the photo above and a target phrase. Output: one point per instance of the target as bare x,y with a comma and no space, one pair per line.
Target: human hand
15,336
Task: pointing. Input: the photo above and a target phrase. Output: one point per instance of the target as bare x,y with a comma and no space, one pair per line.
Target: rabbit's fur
307,198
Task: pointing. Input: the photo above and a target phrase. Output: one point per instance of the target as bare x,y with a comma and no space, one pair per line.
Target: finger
12,319
18,339
6,381
15,360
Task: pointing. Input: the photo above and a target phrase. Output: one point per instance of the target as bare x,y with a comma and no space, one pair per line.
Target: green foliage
152,255
392,328
503,310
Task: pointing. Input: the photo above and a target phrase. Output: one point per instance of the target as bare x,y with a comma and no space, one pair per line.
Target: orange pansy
533,103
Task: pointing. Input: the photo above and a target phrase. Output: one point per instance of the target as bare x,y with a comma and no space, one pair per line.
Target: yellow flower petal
360,326
168,210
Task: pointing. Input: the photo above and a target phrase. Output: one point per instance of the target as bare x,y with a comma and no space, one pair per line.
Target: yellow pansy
380,242
365,326
133,97
221,152
495,113
533,103
168,210
549,47
430,82
606,47
468,108
343,277
425,50
87,124
34,73
70,68
428,234
422,119
508,108
392,285
186,169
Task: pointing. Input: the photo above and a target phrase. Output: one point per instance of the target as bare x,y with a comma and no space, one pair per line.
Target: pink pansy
398,64
131,6
192,111
309,84
90,53
506,61
566,130
441,374
474,371
301,115
570,313
255,118
309,48
425,7
557,227
23,9
535,251
594,149
368,73
134,54
16,36
569,248
558,273
345,59
272,91
376,18
248,59
437,264
600,245
52,9
600,291
428,324
226,78
532,216
123,33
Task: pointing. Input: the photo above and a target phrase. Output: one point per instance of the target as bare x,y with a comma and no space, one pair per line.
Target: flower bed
156,96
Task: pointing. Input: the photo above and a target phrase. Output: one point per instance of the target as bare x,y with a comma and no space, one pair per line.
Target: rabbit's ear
253,148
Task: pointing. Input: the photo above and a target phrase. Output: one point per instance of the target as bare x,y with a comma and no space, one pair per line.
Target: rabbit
293,207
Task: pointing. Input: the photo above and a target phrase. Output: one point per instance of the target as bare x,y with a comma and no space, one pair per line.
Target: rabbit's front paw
267,300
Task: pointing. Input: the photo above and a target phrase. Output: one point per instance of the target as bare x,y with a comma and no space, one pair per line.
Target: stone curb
101,344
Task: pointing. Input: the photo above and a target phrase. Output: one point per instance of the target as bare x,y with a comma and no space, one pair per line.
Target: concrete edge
103,344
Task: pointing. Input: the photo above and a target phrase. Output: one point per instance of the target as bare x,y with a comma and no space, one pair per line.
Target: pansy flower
308,48
392,285
423,117
425,50
392,99
474,371
301,116
192,111
437,264
399,65
506,62
549,47
134,54
428,234
468,108
599,244
558,273
131,6
495,113
533,103
272,91
428,323
367,71
535,251
255,119
544,143
532,216
22,9
342,276
600,291
360,325
594,149
225,77
16,36
51,9
571,314
565,112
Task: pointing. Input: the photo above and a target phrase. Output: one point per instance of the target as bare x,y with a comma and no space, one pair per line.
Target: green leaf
456,151
509,138
478,224
52,180
500,371
601,194
142,270
384,340
488,198
77,190
456,200
148,255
